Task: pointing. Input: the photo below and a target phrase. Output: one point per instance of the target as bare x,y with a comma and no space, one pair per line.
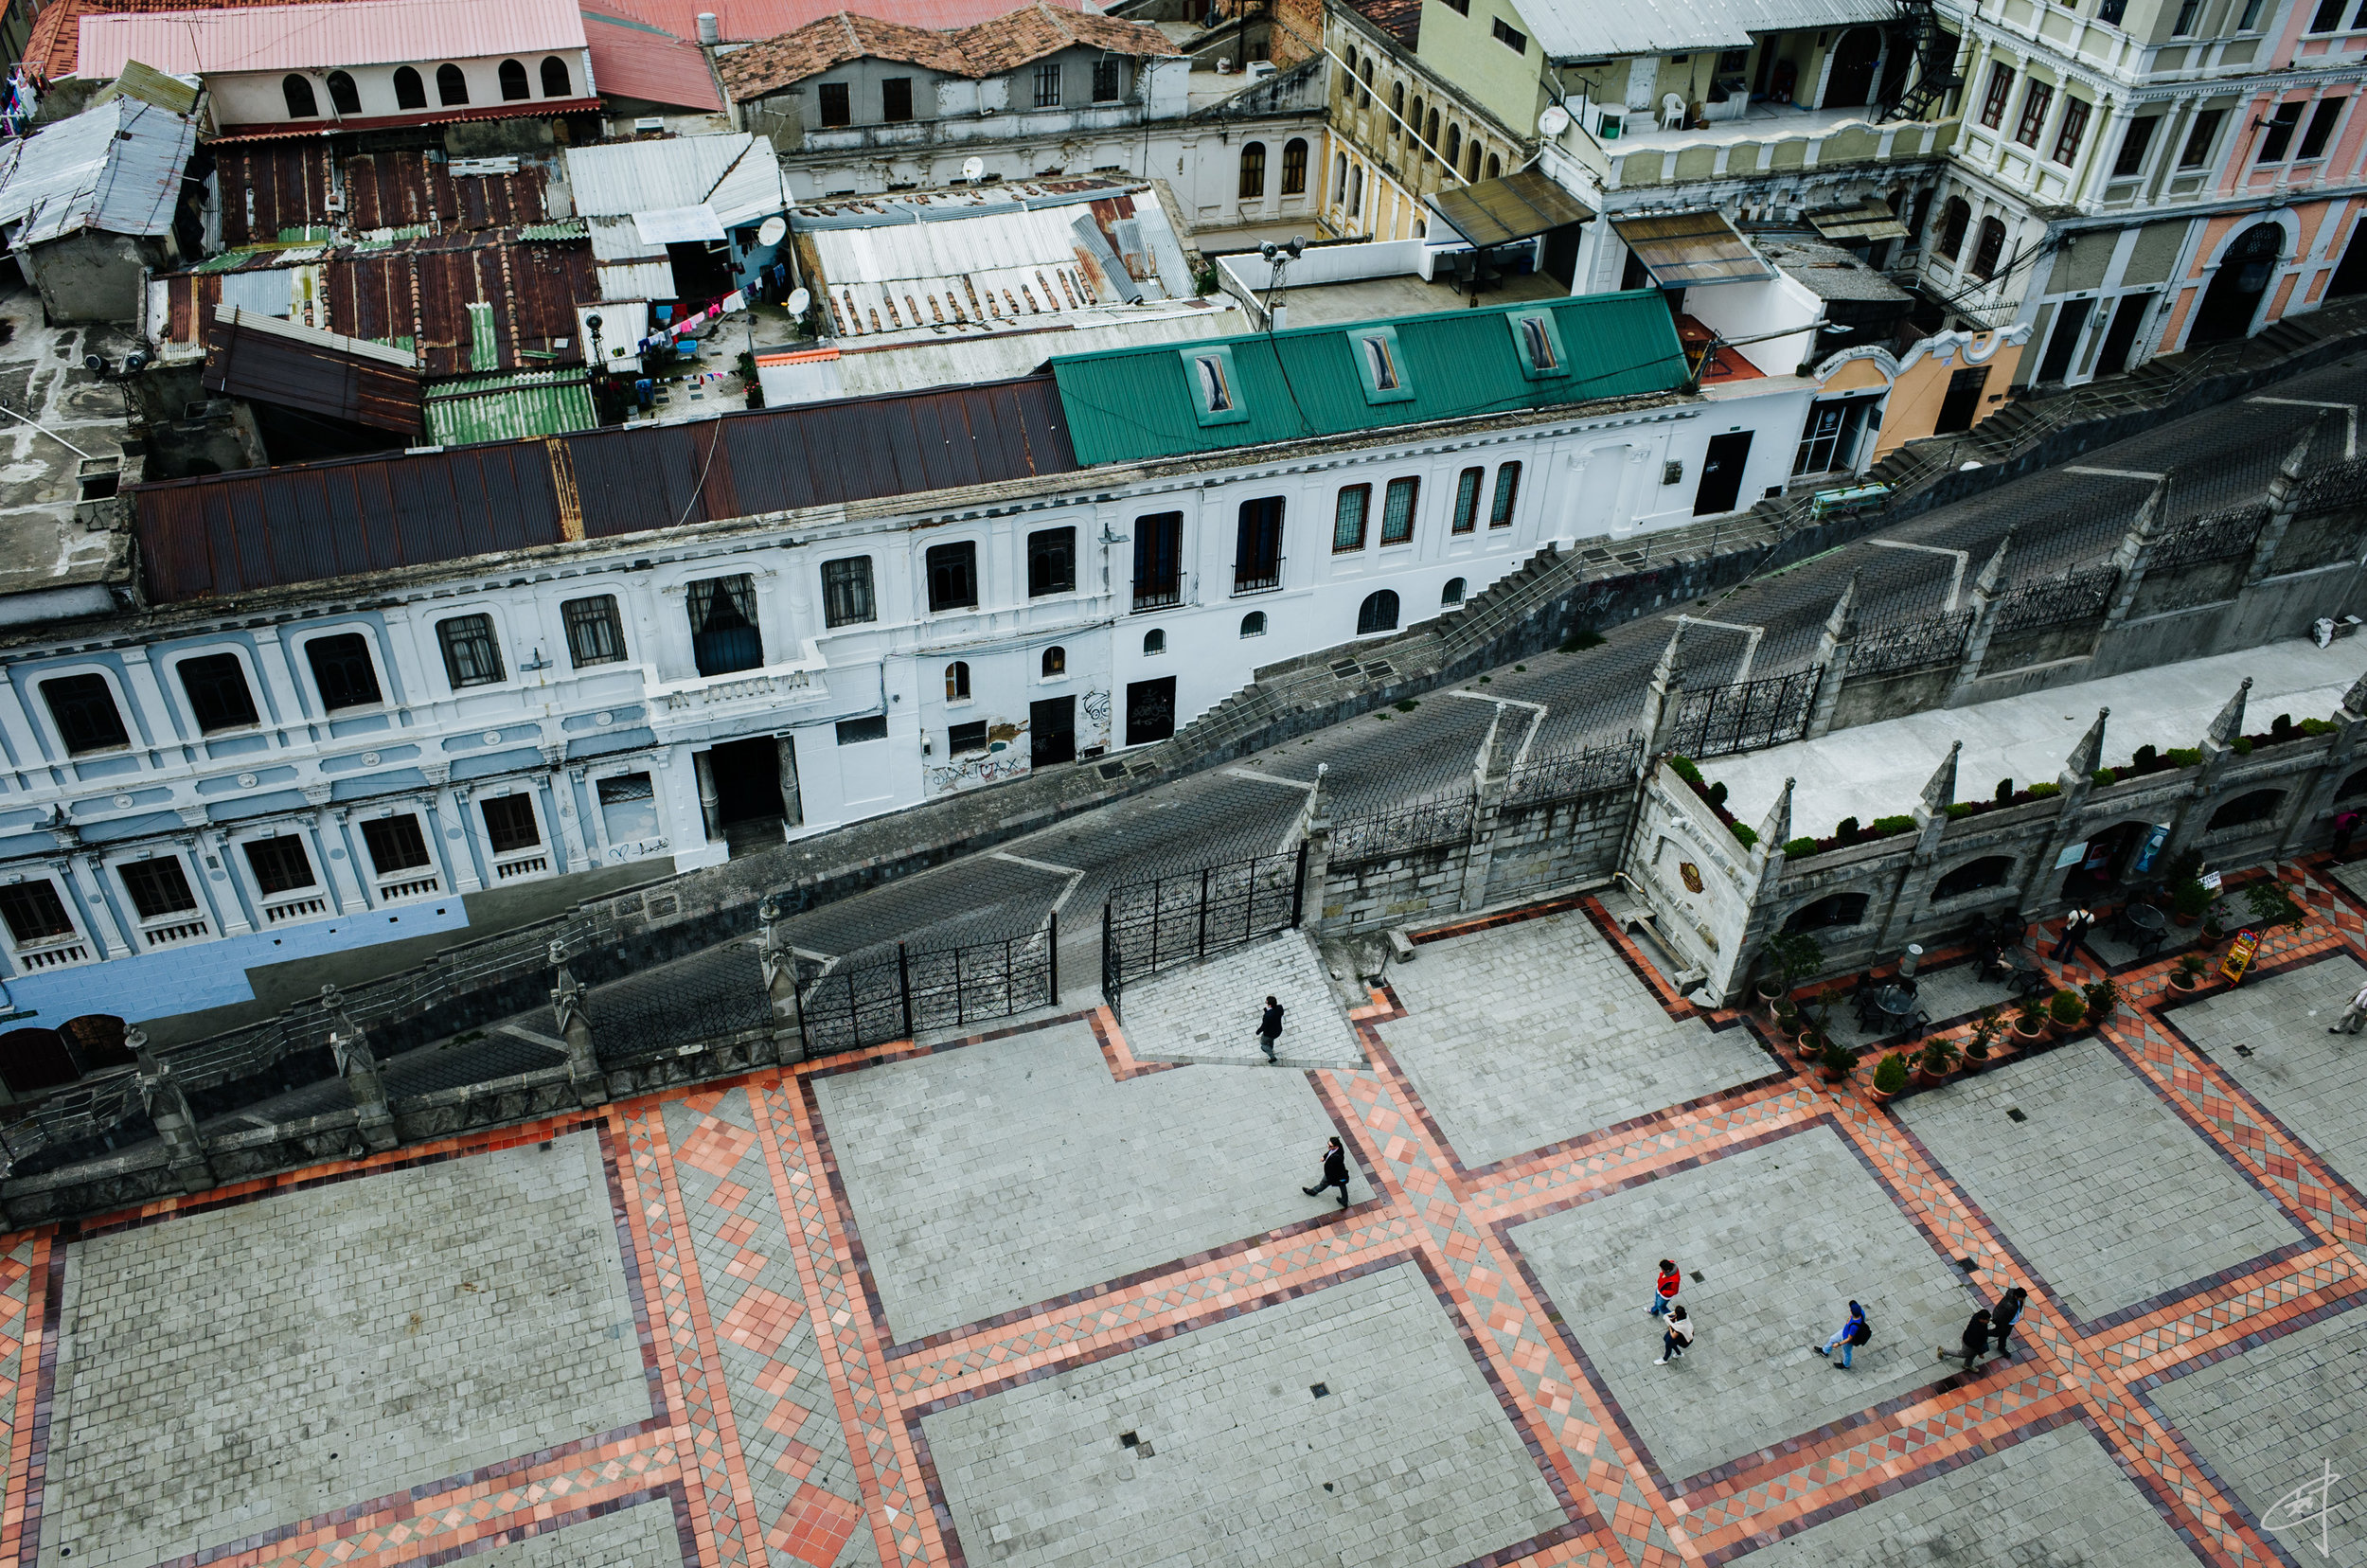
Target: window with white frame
515,835
399,854
161,895
283,875
471,657
342,671
627,807
596,633
216,686
83,708
42,932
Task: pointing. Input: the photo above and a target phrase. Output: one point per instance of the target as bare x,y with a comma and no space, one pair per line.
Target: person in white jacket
1675,1337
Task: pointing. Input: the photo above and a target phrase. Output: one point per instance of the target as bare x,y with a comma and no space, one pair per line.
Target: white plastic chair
1672,113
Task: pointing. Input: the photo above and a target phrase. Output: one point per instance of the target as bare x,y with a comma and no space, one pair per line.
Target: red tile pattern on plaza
783,1257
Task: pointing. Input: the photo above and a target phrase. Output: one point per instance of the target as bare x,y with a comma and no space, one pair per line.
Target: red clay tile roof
987,49
1400,19
752,21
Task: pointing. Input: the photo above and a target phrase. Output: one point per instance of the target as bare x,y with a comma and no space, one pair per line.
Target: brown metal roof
267,190
236,533
1520,206
264,358
399,189
422,290
1686,249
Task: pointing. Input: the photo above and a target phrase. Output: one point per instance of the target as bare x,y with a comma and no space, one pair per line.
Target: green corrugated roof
506,406
1132,404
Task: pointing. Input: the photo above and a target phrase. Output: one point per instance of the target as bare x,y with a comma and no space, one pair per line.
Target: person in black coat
1270,1030
2003,1317
1335,1173
1975,1341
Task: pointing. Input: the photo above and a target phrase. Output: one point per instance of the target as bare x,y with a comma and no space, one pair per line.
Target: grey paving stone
2056,1501
2271,1421
1209,1012
2103,1189
1784,1236
995,1176
1536,1032
2314,1082
1409,1460
639,1536
227,1372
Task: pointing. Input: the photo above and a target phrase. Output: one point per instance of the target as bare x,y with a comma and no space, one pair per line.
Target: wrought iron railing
1148,926
908,993
1570,775
2216,536
1914,644
2065,600
1745,716
1414,824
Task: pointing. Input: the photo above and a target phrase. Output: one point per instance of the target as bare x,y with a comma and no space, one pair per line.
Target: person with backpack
1665,1289
1674,1339
1852,1334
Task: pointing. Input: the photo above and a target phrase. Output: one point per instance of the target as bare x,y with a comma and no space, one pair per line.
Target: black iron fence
2216,535
1148,926
1419,824
2066,600
905,994
1745,716
1570,775
1915,644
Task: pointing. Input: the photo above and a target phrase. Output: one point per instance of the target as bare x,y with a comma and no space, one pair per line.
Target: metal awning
1867,219
1683,250
1497,212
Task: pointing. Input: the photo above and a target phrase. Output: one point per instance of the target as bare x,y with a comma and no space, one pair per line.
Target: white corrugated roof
1587,30
736,176
116,168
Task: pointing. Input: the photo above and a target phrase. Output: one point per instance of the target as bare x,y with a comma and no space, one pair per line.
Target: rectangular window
2001,89
2321,128
1347,520
2279,141
1507,495
1158,559
157,888
846,591
2109,12
952,576
341,671
1462,7
896,99
2074,127
1466,494
216,687
2036,100
723,631
1294,165
2329,17
1258,545
1397,511
395,844
1511,38
2205,130
2188,12
509,825
470,659
627,807
2252,16
34,913
281,865
1216,391
85,709
2139,136
836,109
1051,562
1109,81
965,738
1048,84
854,732
1381,363
596,634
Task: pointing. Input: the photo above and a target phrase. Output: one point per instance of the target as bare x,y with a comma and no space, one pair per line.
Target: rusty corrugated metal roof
234,533
263,358
271,190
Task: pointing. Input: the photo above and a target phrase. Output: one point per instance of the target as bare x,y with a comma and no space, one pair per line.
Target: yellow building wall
1914,402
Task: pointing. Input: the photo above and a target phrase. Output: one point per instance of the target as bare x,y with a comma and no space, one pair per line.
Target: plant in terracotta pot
1812,1041
2272,906
1890,1077
1935,1063
2030,1021
2214,923
2188,975
2188,899
1984,1037
2066,1010
1790,958
1836,1062
2102,997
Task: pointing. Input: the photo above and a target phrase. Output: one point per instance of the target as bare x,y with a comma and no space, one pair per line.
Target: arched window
1452,592
1254,624
1955,219
513,79
556,83
1348,97
1470,164
96,1038
1987,254
1367,74
1430,133
2259,806
1455,145
1253,171
1378,613
298,92
1413,121
1355,191
451,85
1154,643
344,95
35,1059
1837,909
410,93
2355,784
1054,662
957,682
1495,166
1397,105
1295,167
1339,177
1971,877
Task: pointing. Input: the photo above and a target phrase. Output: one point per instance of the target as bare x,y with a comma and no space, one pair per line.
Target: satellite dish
1554,121
798,301
972,168
770,234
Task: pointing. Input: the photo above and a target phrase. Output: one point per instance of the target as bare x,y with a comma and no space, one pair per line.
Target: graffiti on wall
1004,757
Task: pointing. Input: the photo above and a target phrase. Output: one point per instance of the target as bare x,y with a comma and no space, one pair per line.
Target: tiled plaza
1055,1296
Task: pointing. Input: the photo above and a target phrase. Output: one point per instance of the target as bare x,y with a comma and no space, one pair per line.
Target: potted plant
2213,923
2030,1021
1836,1062
2188,899
2101,996
1983,1036
1935,1063
1890,1076
2066,1010
2272,906
2188,975
1813,1040
1792,957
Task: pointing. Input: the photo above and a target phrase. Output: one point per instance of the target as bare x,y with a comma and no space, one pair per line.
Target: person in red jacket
1665,1289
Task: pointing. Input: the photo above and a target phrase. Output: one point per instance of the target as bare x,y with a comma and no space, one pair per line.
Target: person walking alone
1665,1289
2075,926
1975,1341
1335,1173
1270,1028
2353,1016
1674,1339
1851,1335
2003,1316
